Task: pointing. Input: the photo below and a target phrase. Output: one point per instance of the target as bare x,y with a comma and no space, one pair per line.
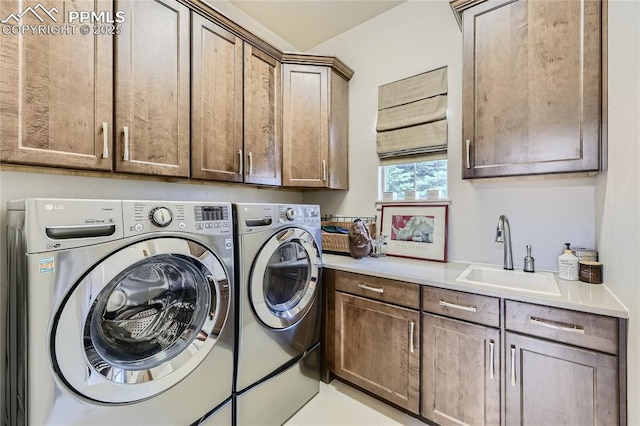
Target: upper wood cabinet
56,92
315,116
152,88
235,108
532,87
216,104
262,118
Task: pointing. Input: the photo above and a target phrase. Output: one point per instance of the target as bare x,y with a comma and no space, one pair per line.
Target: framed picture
415,231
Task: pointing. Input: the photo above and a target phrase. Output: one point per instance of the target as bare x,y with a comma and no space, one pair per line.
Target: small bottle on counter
568,265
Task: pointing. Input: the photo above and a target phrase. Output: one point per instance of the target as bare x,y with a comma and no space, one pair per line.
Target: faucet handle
528,261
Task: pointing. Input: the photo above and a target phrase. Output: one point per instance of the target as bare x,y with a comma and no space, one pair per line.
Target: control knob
290,213
161,216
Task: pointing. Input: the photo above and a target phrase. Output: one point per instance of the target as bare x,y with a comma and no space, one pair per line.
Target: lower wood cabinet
550,383
460,372
377,347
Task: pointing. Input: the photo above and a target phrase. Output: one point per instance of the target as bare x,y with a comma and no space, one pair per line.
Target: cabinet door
377,348
305,125
532,89
549,383
152,88
216,103
460,372
262,118
338,164
56,91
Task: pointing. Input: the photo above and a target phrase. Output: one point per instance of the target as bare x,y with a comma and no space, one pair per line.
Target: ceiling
307,23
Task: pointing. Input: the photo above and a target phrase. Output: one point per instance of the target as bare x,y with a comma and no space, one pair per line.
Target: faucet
503,235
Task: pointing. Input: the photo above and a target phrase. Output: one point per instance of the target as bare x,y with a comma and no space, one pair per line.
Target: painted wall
422,35
618,190
418,36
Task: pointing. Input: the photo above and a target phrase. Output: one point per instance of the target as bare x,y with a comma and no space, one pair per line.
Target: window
414,176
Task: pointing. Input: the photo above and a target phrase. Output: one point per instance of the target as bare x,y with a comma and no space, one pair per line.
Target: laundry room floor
340,404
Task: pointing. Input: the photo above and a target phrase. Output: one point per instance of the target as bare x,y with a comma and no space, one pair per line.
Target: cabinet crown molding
327,60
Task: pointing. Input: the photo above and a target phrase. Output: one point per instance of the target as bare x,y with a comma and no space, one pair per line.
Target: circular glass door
149,313
284,278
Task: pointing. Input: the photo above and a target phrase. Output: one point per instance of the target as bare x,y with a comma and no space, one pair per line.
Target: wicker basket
339,243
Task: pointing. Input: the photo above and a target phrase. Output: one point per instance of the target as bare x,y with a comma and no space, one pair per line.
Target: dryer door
141,320
284,279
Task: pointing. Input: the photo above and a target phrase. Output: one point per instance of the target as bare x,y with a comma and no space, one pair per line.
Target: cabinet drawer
576,328
390,291
465,306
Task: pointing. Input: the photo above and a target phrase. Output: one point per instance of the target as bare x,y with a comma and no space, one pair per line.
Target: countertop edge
589,298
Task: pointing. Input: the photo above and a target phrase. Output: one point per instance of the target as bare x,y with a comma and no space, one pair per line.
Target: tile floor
340,404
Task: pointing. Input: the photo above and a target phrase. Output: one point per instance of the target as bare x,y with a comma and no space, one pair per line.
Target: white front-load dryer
120,312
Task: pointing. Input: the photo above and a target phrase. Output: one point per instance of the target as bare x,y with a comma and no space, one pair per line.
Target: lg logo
50,207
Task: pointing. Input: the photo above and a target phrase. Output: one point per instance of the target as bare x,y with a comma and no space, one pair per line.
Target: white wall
618,191
415,37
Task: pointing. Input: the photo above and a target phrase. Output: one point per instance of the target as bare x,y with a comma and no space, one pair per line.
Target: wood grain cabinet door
262,118
553,384
377,347
216,103
305,125
152,88
532,88
56,90
460,372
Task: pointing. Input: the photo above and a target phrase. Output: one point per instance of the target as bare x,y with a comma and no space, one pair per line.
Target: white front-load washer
119,312
279,276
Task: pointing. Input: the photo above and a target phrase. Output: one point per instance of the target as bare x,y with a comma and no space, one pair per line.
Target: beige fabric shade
412,118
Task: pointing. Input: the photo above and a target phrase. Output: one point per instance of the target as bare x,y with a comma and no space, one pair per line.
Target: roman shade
412,119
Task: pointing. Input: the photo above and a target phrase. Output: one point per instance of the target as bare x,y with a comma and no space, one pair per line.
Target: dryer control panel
140,217
254,217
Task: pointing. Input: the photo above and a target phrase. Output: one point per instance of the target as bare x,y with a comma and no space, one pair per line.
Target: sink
526,282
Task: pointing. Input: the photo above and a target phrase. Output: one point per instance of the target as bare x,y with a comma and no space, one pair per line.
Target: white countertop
576,295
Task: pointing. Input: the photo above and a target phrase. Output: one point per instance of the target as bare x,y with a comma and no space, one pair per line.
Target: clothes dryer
279,268
119,312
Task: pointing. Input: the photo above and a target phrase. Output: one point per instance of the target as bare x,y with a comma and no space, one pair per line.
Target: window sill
421,201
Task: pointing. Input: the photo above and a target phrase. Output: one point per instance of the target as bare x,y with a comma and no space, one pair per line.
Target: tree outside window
416,176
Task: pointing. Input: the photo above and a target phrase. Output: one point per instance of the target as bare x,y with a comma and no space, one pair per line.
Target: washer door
141,320
284,279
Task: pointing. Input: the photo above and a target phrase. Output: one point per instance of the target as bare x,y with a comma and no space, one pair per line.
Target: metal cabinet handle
250,163
491,365
513,365
556,325
324,170
460,307
125,155
412,326
366,287
468,144
240,162
105,143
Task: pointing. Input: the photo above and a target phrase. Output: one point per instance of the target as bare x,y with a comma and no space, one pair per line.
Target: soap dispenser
568,265
528,261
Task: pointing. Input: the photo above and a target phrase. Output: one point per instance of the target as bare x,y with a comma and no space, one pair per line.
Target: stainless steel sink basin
526,282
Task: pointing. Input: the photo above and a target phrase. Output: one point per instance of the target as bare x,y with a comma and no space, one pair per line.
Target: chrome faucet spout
503,235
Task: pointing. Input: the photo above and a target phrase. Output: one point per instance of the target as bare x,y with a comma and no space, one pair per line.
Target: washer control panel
141,217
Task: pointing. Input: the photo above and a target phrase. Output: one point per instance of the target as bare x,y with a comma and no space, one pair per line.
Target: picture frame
416,231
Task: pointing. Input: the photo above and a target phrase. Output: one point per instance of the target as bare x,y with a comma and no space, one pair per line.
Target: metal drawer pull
250,163
556,325
105,144
513,365
366,287
324,170
468,143
460,307
411,327
125,154
491,367
240,162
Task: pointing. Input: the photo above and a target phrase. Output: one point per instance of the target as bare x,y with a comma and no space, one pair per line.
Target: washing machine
279,268
119,312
